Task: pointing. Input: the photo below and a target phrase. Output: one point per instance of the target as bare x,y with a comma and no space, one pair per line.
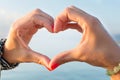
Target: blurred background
107,11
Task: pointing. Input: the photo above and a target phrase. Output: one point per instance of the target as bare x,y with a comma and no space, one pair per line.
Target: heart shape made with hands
24,29
23,37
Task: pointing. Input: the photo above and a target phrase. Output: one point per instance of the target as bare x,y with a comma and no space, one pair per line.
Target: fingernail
54,66
53,28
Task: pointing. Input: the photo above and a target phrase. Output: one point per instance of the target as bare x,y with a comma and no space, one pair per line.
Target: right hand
96,46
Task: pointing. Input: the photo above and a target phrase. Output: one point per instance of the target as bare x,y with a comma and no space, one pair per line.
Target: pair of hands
96,46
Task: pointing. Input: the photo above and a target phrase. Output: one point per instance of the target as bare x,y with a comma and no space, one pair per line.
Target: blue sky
108,12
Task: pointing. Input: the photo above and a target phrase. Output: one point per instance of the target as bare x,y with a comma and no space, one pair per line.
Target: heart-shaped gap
51,44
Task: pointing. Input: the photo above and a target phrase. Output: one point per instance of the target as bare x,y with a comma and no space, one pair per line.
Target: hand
96,46
21,32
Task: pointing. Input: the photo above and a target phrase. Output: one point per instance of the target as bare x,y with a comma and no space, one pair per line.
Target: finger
44,16
41,13
61,58
41,59
71,14
50,19
73,26
37,58
44,22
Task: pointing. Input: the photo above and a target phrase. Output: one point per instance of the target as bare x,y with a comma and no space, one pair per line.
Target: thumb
38,58
61,58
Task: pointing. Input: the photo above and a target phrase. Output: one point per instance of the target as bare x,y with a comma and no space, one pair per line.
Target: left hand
96,46
16,46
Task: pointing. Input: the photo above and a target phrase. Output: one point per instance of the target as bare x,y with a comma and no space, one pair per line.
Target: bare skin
96,46
20,34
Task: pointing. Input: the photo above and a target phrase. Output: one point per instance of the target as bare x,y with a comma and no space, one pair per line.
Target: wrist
114,63
3,61
10,51
115,59
8,56
112,57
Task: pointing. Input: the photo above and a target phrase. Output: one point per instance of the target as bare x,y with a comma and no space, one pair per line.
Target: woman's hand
96,46
21,32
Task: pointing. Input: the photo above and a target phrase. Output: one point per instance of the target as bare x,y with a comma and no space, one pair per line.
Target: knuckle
72,6
33,15
68,9
94,20
37,10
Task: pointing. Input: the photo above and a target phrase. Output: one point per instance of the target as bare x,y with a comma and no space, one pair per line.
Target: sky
107,11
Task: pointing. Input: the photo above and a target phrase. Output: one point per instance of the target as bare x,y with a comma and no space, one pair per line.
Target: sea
68,71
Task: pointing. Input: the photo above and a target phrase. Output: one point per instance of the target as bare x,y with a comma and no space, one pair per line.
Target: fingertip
60,59
57,28
53,28
50,28
47,65
46,62
54,66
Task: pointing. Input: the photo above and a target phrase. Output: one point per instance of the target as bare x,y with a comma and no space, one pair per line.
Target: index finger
71,14
42,19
